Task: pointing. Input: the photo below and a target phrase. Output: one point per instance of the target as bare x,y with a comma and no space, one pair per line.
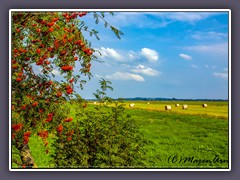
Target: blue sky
162,54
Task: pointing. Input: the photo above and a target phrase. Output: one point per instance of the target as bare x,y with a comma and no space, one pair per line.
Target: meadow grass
198,140
183,136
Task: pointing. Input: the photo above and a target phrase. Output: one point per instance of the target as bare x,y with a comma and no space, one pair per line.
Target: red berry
59,94
63,52
55,19
59,129
27,134
43,134
24,107
18,79
50,48
49,119
67,68
50,30
27,58
50,24
13,61
71,80
35,104
43,22
17,127
38,51
68,119
47,62
20,74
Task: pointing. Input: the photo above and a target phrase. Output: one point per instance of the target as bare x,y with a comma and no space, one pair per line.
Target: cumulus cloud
223,75
124,56
185,56
109,53
125,76
145,70
150,54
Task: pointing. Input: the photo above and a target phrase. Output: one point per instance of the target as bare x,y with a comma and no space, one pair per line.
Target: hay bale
177,105
185,106
148,103
204,105
168,107
94,102
131,105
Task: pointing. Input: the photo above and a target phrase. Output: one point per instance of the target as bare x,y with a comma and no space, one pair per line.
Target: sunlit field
214,108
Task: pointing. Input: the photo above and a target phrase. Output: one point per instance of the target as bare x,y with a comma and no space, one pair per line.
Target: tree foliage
46,43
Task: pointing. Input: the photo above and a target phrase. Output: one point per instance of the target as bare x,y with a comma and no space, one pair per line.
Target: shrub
100,137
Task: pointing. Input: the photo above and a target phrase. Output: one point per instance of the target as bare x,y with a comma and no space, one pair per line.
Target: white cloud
150,54
185,56
132,55
126,56
214,48
188,16
138,19
144,70
109,53
209,35
223,75
125,76
160,19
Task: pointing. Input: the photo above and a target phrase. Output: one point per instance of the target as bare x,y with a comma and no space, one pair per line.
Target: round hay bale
131,105
185,106
168,107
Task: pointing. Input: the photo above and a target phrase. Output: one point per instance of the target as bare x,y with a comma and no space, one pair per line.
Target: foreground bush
103,137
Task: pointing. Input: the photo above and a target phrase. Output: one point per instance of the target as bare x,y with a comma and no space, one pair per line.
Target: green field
192,138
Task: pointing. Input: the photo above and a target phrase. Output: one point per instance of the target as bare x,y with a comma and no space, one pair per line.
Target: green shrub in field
104,137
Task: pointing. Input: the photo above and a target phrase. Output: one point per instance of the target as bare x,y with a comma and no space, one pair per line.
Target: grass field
192,138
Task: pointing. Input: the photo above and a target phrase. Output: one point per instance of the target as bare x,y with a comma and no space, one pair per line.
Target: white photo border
126,10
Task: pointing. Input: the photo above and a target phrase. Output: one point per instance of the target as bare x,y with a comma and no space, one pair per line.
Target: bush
100,137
